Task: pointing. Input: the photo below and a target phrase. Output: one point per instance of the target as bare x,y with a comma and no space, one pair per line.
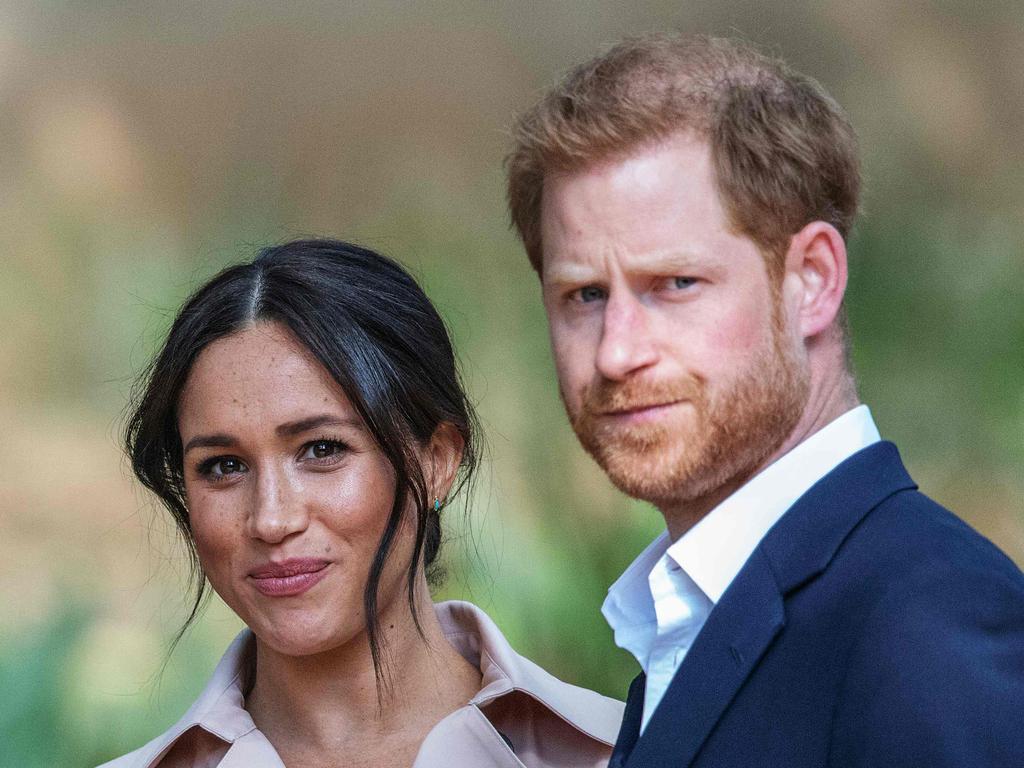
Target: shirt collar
714,550
219,709
482,644
629,607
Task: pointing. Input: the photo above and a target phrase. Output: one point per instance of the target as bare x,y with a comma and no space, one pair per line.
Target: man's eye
588,294
683,282
222,466
322,449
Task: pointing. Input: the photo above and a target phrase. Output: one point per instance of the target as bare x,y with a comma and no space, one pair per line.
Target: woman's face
287,491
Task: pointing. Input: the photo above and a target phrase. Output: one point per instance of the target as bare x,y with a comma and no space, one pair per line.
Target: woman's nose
277,509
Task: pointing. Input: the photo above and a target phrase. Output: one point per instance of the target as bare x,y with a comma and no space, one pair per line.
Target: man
686,204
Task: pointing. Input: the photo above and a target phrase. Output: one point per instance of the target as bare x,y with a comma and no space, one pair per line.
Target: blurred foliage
143,147
32,674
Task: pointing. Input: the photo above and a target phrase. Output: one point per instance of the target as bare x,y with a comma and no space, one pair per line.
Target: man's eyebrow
569,274
673,262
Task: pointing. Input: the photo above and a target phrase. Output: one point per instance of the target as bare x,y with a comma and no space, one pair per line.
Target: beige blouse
522,716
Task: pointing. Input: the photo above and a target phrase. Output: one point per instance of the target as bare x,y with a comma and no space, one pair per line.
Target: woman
305,426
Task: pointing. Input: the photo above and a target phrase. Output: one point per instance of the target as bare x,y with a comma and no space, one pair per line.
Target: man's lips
289,577
646,410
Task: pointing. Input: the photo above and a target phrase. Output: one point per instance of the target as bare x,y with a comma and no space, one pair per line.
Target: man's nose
627,340
277,509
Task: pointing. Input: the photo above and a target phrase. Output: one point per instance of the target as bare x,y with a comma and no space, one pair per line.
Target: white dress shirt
659,604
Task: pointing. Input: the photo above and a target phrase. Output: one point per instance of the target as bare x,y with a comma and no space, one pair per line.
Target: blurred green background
144,145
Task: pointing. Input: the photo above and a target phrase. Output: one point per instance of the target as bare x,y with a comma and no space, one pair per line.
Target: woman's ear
444,454
816,272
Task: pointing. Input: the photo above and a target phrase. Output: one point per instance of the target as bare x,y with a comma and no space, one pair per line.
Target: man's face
676,362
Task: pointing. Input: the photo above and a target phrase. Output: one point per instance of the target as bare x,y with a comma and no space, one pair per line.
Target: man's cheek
571,357
569,389
739,332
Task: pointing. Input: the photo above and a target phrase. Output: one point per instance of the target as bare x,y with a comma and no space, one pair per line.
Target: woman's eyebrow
323,420
209,441
288,429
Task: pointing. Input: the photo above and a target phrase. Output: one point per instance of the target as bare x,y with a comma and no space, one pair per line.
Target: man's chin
669,481
644,475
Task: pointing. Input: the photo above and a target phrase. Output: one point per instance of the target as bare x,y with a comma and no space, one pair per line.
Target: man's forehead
640,169
657,211
673,177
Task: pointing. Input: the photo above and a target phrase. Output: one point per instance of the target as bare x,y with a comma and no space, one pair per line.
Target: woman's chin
300,640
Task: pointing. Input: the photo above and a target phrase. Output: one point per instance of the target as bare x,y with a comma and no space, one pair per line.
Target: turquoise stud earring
437,505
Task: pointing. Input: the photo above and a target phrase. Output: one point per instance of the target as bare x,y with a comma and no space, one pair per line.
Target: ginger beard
728,433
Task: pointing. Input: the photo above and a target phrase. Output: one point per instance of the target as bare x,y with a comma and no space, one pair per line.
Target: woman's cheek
217,536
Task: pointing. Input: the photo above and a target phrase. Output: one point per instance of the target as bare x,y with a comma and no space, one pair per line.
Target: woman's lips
290,577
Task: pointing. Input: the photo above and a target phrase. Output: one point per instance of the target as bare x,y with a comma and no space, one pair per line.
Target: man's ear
815,277
444,454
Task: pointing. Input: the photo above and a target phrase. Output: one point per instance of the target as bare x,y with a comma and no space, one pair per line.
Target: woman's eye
322,449
222,467
588,294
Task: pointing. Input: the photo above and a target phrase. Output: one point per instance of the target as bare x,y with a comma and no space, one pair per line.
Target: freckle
391,626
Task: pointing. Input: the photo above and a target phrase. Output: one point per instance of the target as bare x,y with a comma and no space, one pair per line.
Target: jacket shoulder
935,671
910,532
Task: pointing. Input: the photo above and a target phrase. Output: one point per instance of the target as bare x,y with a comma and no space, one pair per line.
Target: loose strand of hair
379,652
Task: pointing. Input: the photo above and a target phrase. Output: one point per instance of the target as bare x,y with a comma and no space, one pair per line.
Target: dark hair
370,325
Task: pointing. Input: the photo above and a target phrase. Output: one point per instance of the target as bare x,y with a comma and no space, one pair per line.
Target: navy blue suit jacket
870,627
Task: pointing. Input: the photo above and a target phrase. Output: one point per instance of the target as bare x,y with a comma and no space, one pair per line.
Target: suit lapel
725,652
751,612
630,730
804,541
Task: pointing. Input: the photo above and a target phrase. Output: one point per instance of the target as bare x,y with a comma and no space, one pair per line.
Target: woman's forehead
260,373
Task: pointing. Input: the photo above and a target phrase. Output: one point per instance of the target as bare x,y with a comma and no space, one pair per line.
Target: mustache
607,396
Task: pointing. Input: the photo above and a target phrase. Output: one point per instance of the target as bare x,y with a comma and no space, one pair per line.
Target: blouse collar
220,708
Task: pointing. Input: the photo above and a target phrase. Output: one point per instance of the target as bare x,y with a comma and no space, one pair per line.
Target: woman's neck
324,707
